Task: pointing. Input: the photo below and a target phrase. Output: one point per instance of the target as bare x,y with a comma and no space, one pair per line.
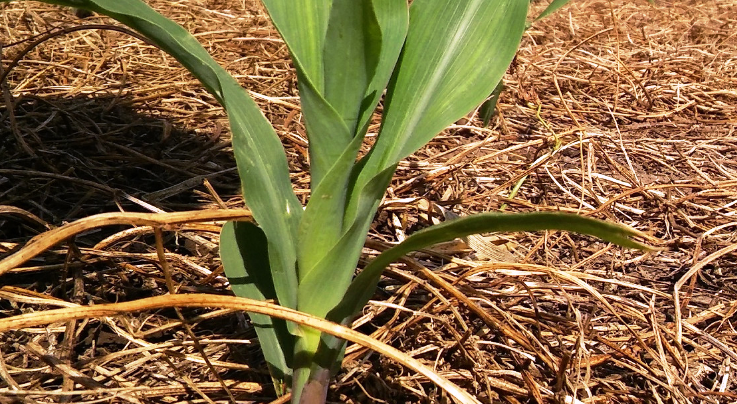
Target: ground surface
643,100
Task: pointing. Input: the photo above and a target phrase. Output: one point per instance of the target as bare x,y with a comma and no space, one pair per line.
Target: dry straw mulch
617,110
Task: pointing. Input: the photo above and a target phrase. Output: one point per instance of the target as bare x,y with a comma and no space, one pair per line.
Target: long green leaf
340,87
362,288
303,25
352,48
316,295
244,253
554,6
322,222
323,288
454,55
322,229
262,163
392,17
328,134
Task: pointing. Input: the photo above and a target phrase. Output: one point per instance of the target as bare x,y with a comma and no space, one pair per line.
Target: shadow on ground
94,155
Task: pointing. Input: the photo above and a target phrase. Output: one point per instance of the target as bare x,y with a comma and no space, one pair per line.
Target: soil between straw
643,99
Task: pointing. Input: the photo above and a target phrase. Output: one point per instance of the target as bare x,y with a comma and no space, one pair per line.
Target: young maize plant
432,62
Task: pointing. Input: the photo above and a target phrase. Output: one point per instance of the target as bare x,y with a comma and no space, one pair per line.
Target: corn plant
430,62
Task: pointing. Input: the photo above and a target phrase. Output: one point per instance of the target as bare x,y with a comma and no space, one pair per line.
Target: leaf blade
438,78
554,6
362,288
341,258
303,24
419,101
264,174
486,112
243,251
322,229
349,59
392,17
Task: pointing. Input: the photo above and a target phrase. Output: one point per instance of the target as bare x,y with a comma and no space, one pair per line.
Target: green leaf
324,286
554,6
489,106
322,223
303,24
340,87
322,230
327,132
363,286
262,163
353,43
392,17
454,55
268,193
244,253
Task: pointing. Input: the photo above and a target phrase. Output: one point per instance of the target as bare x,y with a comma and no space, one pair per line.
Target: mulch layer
619,110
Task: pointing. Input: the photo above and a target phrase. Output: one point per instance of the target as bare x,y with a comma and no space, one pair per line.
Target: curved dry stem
48,239
237,303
